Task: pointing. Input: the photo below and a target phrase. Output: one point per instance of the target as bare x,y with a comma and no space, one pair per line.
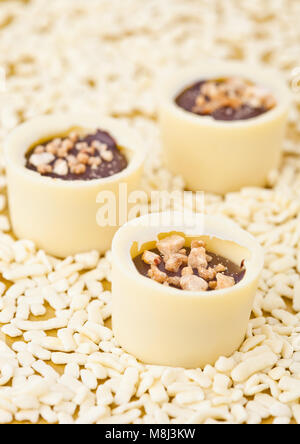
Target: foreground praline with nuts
165,319
192,268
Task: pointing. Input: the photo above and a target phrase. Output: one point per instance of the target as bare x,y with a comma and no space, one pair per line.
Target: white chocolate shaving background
59,362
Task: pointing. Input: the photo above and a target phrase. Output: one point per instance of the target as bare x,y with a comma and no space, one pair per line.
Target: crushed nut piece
269,102
210,89
187,271
224,281
81,146
44,169
88,150
61,167
213,285
78,169
175,281
157,275
193,283
151,258
170,245
197,244
83,158
94,162
99,146
39,149
175,261
67,145
74,136
197,258
207,273
51,148
107,156
62,152
41,159
72,160
57,142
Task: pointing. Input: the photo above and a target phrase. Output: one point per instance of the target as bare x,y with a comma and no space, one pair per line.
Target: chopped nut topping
269,102
51,148
197,244
157,275
39,150
74,136
62,152
193,283
170,245
81,155
83,158
187,271
41,159
78,169
151,258
220,268
234,93
81,146
102,149
90,150
200,103
107,156
175,261
60,167
72,160
197,258
67,145
188,268
210,89
175,281
224,281
212,285
95,162
44,169
57,142
99,146
208,274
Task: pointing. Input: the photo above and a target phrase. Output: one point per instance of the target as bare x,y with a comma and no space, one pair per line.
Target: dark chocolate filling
233,270
187,101
105,169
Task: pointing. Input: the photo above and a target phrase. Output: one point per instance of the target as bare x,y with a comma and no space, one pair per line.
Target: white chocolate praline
61,216
166,326
218,156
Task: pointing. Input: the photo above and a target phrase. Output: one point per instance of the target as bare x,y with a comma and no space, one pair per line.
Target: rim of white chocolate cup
173,83
147,228
24,136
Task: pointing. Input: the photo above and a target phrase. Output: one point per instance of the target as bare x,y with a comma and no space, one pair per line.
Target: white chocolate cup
60,215
218,156
166,326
